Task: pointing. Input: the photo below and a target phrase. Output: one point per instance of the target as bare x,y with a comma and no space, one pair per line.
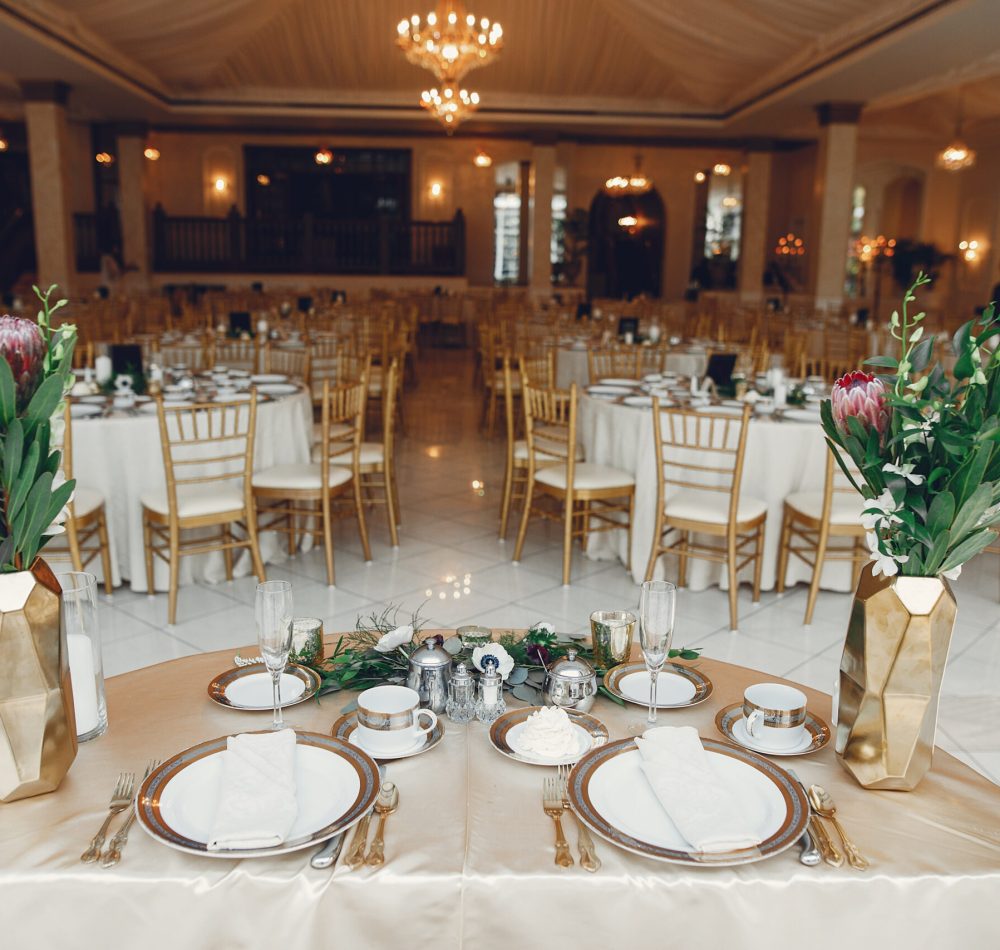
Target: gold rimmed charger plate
347,724
591,802
501,729
173,824
702,684
217,688
817,730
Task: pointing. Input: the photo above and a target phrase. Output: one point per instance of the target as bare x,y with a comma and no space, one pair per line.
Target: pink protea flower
22,346
863,396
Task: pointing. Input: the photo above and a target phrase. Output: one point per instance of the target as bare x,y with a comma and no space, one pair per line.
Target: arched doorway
626,245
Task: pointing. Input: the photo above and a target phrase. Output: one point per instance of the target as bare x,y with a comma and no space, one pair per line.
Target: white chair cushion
372,453
337,430
586,476
301,477
844,509
521,451
194,501
711,507
86,501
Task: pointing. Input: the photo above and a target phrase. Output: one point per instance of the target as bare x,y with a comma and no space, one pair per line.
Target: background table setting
468,833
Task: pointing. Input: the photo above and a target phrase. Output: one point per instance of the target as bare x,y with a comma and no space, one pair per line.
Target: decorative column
754,237
834,185
524,225
132,204
544,161
49,162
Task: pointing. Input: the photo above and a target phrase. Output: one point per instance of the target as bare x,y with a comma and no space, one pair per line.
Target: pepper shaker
491,705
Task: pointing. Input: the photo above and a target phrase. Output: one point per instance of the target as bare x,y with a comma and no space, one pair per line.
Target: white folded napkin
699,800
257,805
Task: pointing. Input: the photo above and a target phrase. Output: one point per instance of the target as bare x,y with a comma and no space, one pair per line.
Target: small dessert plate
619,381
268,378
676,686
731,724
84,410
505,735
249,687
346,728
278,389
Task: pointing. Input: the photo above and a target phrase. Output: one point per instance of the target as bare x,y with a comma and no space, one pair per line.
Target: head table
469,854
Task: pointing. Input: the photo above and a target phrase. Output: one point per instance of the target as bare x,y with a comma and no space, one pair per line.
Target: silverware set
122,798
555,801
821,806
360,852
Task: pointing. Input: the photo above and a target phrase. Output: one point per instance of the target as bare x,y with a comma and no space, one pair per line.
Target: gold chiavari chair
208,462
652,358
377,459
492,354
292,362
195,356
237,354
585,491
699,470
284,491
86,534
613,362
811,519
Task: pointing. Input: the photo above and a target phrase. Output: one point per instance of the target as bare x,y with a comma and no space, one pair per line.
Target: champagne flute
273,612
656,629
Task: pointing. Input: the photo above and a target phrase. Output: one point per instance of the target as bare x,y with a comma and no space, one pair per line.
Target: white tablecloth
571,366
121,457
781,458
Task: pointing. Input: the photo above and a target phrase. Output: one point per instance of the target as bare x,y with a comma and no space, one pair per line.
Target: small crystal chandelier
957,155
450,105
635,184
450,41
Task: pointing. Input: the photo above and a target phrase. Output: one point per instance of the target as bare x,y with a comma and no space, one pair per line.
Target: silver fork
114,853
121,798
589,860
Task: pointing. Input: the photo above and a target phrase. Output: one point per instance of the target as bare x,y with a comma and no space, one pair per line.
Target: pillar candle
82,676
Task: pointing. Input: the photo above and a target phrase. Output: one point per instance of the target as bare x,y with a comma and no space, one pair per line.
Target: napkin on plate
702,805
257,805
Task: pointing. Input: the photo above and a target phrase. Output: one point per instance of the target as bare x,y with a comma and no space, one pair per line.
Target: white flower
544,627
887,564
395,639
952,575
880,512
505,660
906,471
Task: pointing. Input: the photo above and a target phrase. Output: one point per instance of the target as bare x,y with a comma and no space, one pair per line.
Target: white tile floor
451,565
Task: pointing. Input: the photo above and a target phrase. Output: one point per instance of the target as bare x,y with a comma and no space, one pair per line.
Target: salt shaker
461,705
491,705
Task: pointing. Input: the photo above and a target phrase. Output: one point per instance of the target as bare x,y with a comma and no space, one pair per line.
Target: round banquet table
469,853
120,456
572,367
781,457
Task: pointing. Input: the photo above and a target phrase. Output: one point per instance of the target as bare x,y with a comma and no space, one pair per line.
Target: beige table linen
469,855
121,457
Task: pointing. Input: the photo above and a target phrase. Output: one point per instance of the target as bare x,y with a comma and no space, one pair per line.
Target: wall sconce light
263,180
323,157
789,244
700,177
220,185
436,189
153,154
104,158
629,222
970,251
4,144
482,159
722,169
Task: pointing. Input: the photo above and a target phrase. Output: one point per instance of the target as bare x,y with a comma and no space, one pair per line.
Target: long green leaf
843,467
35,511
970,475
25,479
969,514
44,402
968,549
12,451
936,555
8,393
941,513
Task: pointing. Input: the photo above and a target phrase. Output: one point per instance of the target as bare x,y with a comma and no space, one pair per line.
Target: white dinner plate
269,378
505,736
618,381
801,415
720,410
277,389
677,686
84,410
148,409
233,397
93,400
642,402
249,687
603,390
609,792
336,785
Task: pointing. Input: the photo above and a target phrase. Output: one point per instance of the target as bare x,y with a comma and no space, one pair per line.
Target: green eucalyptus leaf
349,707
607,694
536,677
453,645
527,694
518,675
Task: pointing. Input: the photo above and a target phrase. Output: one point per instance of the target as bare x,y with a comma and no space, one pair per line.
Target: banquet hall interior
617,200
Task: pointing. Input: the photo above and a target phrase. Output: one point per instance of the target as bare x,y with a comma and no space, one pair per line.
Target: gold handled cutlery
386,803
121,798
589,860
553,807
823,805
359,844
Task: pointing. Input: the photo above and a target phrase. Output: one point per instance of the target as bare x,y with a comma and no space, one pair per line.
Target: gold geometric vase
890,678
37,720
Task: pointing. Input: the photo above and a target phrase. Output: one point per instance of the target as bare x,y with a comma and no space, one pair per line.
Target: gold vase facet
37,721
890,678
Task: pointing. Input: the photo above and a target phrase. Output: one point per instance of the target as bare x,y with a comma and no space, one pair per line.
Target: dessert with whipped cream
549,734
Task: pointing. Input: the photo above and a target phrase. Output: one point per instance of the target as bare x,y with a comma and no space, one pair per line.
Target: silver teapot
430,672
570,683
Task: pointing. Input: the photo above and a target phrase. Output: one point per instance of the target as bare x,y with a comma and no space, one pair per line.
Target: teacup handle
755,723
433,718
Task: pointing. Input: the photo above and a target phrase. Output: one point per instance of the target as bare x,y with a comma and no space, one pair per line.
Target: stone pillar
132,205
49,163
544,161
834,185
524,226
755,241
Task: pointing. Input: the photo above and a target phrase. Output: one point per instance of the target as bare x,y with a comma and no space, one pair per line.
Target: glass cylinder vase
83,644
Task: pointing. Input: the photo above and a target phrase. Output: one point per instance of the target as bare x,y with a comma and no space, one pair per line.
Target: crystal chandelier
450,105
956,155
635,184
449,42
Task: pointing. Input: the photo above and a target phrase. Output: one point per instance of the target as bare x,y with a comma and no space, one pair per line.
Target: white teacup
774,715
388,719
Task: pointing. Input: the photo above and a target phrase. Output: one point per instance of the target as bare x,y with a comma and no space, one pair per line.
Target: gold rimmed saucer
236,679
729,722
345,727
503,736
695,687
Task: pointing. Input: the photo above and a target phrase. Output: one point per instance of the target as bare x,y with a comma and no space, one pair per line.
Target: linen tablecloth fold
699,801
257,805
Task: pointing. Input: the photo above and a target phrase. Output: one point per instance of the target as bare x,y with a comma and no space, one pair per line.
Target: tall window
723,217
507,232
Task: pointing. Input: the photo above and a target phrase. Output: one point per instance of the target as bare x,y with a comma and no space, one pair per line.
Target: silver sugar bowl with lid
430,672
570,683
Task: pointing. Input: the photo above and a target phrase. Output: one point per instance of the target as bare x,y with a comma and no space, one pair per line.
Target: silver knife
809,854
327,856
